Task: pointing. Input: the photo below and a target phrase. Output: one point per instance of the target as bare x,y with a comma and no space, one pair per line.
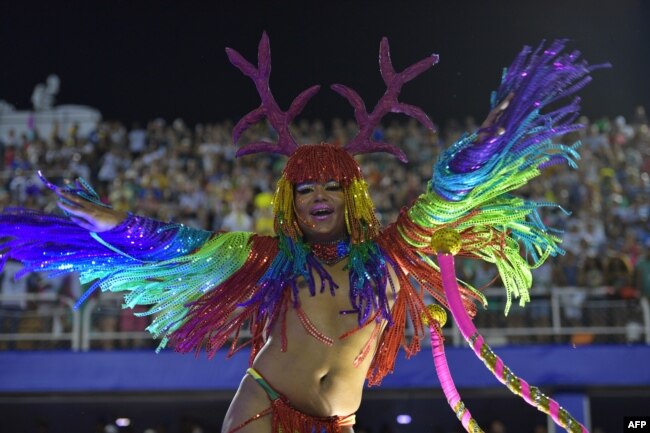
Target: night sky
137,60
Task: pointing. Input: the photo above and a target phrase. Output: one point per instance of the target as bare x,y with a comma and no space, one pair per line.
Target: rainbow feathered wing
473,180
163,266
470,196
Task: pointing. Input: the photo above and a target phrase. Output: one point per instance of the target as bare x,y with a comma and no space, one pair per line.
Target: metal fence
569,315
47,321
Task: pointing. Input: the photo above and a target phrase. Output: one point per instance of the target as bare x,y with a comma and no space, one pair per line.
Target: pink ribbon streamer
475,340
444,375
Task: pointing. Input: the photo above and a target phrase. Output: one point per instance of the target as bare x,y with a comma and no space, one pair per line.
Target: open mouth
321,212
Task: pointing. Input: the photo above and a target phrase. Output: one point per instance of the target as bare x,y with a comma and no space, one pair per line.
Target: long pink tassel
447,383
531,394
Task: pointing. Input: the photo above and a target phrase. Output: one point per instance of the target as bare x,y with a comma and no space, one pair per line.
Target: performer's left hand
491,119
86,214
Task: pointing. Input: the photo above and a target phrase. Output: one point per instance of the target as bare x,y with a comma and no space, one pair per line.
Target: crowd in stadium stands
170,171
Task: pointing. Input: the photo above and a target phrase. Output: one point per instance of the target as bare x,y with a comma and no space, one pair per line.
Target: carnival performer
328,298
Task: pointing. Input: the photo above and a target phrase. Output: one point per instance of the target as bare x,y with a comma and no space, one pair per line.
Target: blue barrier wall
563,366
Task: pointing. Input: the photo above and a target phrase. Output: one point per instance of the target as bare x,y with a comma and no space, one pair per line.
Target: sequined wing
161,265
471,192
471,189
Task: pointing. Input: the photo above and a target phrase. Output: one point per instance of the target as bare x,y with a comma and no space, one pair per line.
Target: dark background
142,60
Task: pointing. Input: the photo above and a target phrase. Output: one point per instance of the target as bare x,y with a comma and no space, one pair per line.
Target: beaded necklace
331,252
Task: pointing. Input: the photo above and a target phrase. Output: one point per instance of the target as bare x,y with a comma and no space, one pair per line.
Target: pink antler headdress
363,142
280,120
269,108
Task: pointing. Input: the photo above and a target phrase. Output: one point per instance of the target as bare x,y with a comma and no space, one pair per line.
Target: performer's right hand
492,118
88,215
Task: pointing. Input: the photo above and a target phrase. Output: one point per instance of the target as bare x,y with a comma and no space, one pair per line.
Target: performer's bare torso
317,379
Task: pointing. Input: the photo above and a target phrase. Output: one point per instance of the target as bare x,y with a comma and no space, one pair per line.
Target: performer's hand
491,119
91,216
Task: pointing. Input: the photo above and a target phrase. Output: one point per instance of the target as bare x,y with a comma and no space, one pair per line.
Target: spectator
137,140
642,273
497,426
237,219
12,308
607,194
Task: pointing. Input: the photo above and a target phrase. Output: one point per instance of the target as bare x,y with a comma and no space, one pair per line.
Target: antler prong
360,112
385,63
264,55
415,112
246,122
301,100
269,108
362,142
417,68
240,62
251,148
382,146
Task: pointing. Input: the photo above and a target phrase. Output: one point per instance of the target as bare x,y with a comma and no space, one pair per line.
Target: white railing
101,323
573,315
51,320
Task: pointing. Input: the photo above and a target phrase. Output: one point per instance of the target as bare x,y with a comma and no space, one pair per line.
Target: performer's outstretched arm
165,266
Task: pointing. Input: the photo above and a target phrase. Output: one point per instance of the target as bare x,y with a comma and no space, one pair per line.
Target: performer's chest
333,309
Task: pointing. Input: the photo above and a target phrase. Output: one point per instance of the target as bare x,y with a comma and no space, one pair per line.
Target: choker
331,253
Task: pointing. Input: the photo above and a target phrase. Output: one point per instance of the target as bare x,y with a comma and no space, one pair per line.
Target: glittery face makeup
320,211
320,164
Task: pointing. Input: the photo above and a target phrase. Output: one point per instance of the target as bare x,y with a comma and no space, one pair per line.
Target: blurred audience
171,171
